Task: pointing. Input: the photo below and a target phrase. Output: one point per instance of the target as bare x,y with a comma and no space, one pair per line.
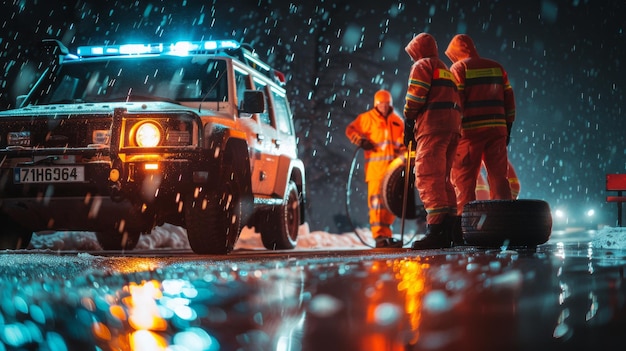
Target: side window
242,80
282,113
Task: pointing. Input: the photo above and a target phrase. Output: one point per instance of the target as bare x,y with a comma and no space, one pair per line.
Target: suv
119,139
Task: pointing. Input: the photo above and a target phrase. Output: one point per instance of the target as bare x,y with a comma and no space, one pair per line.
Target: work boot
456,232
387,242
437,237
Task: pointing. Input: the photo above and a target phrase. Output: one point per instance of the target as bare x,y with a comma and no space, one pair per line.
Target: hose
348,192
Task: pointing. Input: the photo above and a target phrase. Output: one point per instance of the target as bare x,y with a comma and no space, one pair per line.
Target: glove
409,134
509,126
366,145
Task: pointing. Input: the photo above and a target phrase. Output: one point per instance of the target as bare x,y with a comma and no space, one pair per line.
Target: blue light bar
179,48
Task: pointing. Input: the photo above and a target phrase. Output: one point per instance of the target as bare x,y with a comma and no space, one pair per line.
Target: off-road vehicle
118,139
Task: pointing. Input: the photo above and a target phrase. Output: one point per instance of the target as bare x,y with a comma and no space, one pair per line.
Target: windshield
163,78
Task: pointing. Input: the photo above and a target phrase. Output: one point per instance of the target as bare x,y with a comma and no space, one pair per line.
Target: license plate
68,174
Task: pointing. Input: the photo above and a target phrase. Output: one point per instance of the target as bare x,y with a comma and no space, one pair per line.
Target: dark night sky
564,59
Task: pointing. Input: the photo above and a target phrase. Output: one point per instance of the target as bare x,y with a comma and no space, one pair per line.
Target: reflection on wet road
562,295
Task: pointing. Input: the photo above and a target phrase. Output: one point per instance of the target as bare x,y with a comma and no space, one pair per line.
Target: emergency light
178,48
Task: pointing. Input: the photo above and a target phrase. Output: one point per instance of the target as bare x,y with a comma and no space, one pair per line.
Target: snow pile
170,236
610,238
165,236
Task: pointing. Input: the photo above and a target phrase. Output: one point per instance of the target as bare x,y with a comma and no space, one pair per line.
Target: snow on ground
610,238
169,236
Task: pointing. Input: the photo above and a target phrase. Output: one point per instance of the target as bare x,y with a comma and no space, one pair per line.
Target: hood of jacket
423,45
460,48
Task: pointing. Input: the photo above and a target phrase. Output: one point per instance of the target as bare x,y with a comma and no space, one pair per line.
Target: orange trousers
434,156
381,219
485,148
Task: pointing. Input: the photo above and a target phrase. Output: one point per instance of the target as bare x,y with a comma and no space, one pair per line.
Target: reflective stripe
386,158
419,83
484,81
483,72
441,73
481,187
484,124
418,99
438,210
489,117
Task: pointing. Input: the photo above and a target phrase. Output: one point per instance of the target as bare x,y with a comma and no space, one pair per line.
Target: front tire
279,225
213,217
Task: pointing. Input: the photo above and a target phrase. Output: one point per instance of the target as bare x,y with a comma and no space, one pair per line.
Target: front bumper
134,194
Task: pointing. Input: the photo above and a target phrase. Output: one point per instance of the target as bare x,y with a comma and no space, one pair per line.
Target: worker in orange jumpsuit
488,113
432,103
380,133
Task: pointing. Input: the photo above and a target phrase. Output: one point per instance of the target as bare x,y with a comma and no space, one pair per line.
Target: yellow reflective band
483,124
443,74
419,83
483,72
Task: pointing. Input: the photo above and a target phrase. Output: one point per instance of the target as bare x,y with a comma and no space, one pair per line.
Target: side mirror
253,101
55,50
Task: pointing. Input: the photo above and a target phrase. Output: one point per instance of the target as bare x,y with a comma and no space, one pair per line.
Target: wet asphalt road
564,295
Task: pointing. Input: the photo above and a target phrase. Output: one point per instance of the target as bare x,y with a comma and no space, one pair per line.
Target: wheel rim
285,217
293,215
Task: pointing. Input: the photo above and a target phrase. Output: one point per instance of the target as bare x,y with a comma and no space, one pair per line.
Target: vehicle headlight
148,134
559,214
590,213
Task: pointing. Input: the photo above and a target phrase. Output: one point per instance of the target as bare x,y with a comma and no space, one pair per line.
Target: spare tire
392,190
495,223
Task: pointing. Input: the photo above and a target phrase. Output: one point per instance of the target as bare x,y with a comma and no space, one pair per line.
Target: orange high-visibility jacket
431,99
387,135
484,88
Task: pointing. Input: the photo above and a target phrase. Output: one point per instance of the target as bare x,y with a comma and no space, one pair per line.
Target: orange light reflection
140,310
411,275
